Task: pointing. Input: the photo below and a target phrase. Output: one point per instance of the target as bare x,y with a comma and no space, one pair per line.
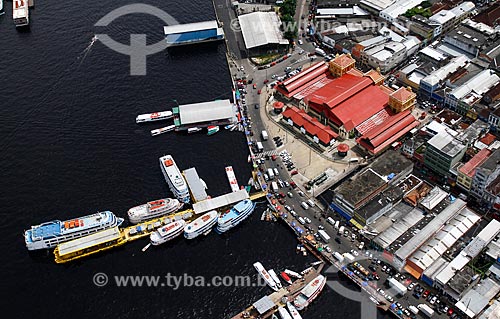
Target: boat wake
86,51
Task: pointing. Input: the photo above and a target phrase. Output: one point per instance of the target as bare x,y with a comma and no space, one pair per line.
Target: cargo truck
275,187
341,230
349,257
264,136
339,257
425,309
398,287
270,173
260,148
324,235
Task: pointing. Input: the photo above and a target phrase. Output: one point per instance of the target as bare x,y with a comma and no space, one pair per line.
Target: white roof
442,73
220,201
387,237
475,300
435,196
462,8
400,7
433,53
206,111
435,247
442,16
446,143
197,26
378,5
479,84
195,185
88,241
261,28
470,252
393,35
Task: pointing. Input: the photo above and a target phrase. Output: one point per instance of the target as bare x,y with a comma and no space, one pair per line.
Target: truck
413,309
260,148
338,256
425,309
320,52
349,257
270,172
398,287
275,187
330,221
341,230
264,136
324,235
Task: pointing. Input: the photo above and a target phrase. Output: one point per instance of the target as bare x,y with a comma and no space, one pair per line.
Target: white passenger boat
20,13
151,117
201,225
309,292
153,209
265,275
167,232
162,130
275,278
174,178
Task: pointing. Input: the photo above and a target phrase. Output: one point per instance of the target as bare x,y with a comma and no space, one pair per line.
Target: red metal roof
310,124
383,135
343,148
343,60
488,139
403,94
469,168
310,74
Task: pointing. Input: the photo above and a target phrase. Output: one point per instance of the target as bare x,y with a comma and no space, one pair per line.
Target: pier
190,33
232,179
268,305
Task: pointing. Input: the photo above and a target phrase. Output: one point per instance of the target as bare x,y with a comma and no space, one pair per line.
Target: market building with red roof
309,126
353,103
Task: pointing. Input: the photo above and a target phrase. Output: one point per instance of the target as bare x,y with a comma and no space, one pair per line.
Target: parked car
426,294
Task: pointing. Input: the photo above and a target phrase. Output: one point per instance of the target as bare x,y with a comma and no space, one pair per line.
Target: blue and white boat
201,225
235,216
50,234
174,178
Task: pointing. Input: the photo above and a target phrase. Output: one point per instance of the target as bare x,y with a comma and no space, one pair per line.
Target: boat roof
312,286
190,27
58,228
88,241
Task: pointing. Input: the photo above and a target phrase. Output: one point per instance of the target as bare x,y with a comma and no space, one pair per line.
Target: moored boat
286,278
192,130
201,225
49,234
20,13
236,215
153,209
284,313
293,273
167,232
212,129
151,117
162,130
1,8
265,275
174,178
275,278
309,292
293,311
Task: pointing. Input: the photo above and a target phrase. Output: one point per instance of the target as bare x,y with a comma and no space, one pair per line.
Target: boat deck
289,292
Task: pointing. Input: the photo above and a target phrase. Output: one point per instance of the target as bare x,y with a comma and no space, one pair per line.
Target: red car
273,157
292,183
266,81
259,91
426,294
254,86
450,311
294,172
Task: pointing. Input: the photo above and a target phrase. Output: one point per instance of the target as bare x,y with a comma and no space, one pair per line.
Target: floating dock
219,112
199,32
232,179
195,184
268,305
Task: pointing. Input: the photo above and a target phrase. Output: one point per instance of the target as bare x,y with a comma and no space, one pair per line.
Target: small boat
309,292
284,313
293,311
293,274
319,262
285,277
162,130
305,271
229,126
156,116
265,275
168,232
275,278
193,130
212,129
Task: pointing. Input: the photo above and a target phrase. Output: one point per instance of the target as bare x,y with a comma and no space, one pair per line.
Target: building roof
409,218
378,5
475,300
195,185
433,53
445,238
312,126
399,7
490,16
477,85
488,138
403,94
442,73
343,60
307,81
469,168
430,229
492,162
263,305
433,198
190,27
206,111
391,129
470,252
261,28
446,144
356,190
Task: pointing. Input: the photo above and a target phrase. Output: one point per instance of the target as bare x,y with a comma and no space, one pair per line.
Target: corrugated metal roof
261,28
195,185
206,111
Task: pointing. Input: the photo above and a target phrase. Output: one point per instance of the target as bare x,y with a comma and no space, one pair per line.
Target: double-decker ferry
20,13
201,225
174,178
156,116
235,216
153,209
309,292
48,235
167,232
88,245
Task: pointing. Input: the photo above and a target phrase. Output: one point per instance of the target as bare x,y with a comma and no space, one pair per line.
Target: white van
260,147
276,173
264,136
310,203
301,220
304,205
331,221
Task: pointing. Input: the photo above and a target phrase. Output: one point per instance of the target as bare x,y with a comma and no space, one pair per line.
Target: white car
354,252
308,220
300,42
328,249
